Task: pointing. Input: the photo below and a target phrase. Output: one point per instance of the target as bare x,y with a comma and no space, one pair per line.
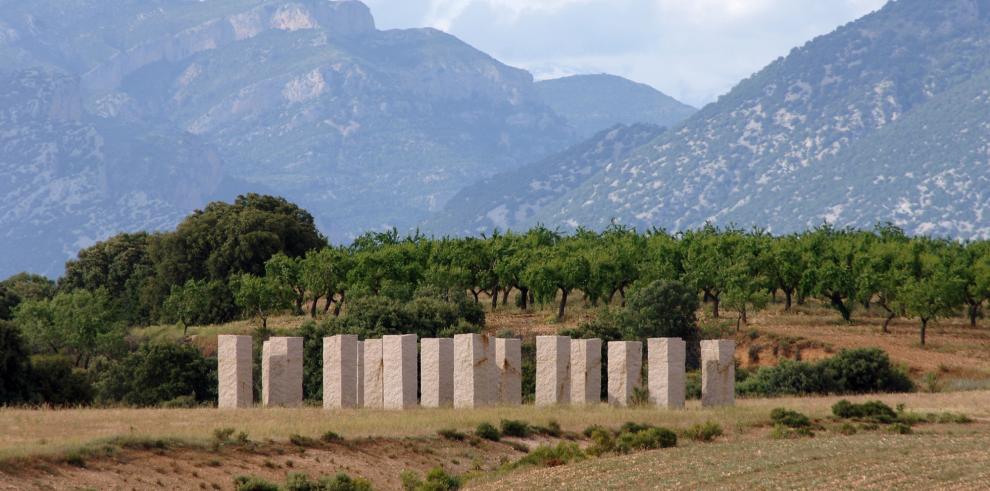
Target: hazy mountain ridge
794,119
511,199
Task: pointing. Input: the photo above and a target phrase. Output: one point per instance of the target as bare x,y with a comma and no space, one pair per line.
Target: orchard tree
784,264
830,273
562,268
935,294
261,296
79,323
188,303
288,271
881,274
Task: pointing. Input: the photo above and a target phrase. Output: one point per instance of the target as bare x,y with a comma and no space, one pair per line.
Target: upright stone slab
340,368
718,372
508,363
665,371
360,374
553,363
282,372
234,372
586,371
436,372
475,375
625,370
400,371
373,372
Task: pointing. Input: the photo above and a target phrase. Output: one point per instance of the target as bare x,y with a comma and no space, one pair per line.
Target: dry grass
33,432
953,460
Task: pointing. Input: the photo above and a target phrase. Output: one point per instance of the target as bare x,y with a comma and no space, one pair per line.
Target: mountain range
128,115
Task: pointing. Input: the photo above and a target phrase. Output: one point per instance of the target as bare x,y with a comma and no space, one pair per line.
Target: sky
693,50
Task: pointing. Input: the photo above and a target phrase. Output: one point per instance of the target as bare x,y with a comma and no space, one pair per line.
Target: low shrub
331,437
552,429
592,429
451,434
647,439
874,411
436,480
857,371
251,483
223,435
341,482
602,442
547,456
704,432
783,432
487,432
515,428
789,418
901,428
301,441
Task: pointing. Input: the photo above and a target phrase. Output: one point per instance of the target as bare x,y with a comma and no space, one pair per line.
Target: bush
704,432
56,381
331,437
874,411
602,441
855,371
901,429
488,432
518,429
547,456
340,482
782,432
157,373
552,429
436,480
789,418
451,434
251,483
301,441
15,366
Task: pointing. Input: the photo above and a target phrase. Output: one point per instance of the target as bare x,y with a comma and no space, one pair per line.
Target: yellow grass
39,432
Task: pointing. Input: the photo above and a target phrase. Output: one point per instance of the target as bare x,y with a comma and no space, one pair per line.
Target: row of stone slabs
470,370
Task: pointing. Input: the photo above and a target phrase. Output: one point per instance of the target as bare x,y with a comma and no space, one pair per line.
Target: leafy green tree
708,259
784,265
881,275
261,296
324,274
188,303
830,273
79,323
562,268
932,294
29,286
120,265
288,271
8,302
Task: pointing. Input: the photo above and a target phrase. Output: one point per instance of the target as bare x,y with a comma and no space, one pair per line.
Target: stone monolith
508,363
718,372
625,370
586,371
400,371
234,372
282,372
475,375
666,358
340,368
553,363
373,372
436,372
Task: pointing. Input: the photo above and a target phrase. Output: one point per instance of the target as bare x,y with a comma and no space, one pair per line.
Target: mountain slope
510,200
70,179
791,122
592,103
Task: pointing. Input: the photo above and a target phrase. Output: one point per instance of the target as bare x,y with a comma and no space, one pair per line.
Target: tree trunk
974,313
715,302
340,303
563,304
505,295
924,326
300,299
494,298
886,322
475,293
622,295
532,298
743,316
524,297
788,292
840,306
312,308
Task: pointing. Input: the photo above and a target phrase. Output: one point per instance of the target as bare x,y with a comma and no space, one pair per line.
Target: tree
784,265
830,273
8,302
29,286
288,271
120,265
158,373
324,274
933,294
708,259
261,296
188,302
15,366
561,268
881,275
79,323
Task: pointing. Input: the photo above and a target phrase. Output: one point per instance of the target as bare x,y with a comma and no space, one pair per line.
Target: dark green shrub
552,429
488,432
602,441
704,432
157,373
787,378
592,429
251,483
15,366
341,482
451,434
331,437
436,480
57,382
654,438
861,371
901,428
301,441
515,428
874,411
789,418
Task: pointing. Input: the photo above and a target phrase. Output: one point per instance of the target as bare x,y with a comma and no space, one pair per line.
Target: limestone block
340,367
360,374
282,372
625,370
586,371
475,374
373,372
399,371
665,372
234,372
508,363
437,372
553,364
718,372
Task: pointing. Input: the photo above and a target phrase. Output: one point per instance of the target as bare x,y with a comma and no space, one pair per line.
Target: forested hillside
791,146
